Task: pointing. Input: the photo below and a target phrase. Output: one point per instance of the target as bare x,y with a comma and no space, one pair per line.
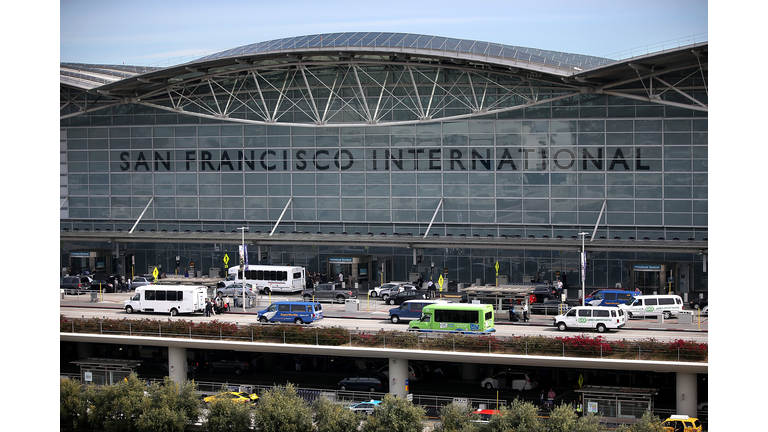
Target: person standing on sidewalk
208,307
525,312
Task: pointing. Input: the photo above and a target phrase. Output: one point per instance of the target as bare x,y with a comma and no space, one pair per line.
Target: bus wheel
601,328
561,326
174,312
128,309
266,290
298,321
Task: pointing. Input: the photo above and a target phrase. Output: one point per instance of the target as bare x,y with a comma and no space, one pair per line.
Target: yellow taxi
238,397
682,423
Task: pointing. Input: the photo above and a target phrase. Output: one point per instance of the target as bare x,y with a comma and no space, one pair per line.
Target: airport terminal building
383,155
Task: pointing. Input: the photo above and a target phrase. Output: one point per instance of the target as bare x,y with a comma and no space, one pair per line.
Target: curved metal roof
357,40
361,79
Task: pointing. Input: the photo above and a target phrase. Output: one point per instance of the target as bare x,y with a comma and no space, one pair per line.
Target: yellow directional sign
497,268
155,273
226,260
440,282
581,380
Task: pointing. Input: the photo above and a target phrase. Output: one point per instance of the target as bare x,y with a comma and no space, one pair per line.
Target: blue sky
161,32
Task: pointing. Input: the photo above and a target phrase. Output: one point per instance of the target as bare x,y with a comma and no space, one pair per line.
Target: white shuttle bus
279,279
171,299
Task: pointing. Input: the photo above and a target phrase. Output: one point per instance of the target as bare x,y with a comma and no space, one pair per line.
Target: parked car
228,365
365,407
483,415
545,292
237,290
103,285
370,383
705,311
328,291
376,292
404,296
510,380
550,307
229,280
73,284
238,397
385,294
699,303
140,281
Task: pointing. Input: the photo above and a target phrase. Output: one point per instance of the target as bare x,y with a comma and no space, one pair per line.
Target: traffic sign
440,282
226,260
497,268
155,273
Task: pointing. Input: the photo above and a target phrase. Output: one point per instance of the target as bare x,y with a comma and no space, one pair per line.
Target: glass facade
636,169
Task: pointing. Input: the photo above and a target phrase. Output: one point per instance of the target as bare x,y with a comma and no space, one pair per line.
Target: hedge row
581,345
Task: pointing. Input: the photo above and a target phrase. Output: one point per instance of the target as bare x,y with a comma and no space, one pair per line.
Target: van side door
584,318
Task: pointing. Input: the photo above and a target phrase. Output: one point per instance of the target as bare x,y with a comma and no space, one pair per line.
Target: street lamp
583,270
243,260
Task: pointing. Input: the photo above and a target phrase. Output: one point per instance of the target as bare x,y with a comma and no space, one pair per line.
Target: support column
398,373
686,394
177,356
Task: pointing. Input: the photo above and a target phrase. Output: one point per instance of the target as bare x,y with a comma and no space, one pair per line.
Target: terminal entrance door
650,278
354,269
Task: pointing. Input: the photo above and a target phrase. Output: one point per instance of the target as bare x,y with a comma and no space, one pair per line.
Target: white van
653,305
593,317
171,299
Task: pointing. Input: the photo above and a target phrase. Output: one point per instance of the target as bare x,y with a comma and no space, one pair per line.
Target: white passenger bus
267,278
171,299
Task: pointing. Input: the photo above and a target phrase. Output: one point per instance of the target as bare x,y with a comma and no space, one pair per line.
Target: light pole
243,260
583,270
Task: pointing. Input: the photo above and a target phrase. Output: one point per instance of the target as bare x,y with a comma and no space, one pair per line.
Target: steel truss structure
369,86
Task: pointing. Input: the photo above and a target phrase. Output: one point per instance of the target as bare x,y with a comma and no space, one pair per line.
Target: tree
331,417
562,419
588,423
395,414
171,407
648,423
224,414
280,409
456,418
520,416
117,407
73,412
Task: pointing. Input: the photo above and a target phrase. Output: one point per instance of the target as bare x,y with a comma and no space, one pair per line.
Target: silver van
654,305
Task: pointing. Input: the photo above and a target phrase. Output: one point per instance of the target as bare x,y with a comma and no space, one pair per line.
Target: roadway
373,315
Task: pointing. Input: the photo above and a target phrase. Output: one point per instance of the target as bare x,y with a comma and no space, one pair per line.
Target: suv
385,294
72,284
509,380
376,292
545,292
369,383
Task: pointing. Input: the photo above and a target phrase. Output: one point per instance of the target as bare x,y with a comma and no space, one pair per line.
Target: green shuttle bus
455,318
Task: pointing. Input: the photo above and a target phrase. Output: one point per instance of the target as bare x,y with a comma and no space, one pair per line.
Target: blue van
410,309
612,297
289,311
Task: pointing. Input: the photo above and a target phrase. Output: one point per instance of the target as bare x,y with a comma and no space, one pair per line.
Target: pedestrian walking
430,289
525,312
551,398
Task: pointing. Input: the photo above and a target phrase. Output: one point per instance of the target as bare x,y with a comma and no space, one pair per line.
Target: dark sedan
550,307
399,298
103,285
